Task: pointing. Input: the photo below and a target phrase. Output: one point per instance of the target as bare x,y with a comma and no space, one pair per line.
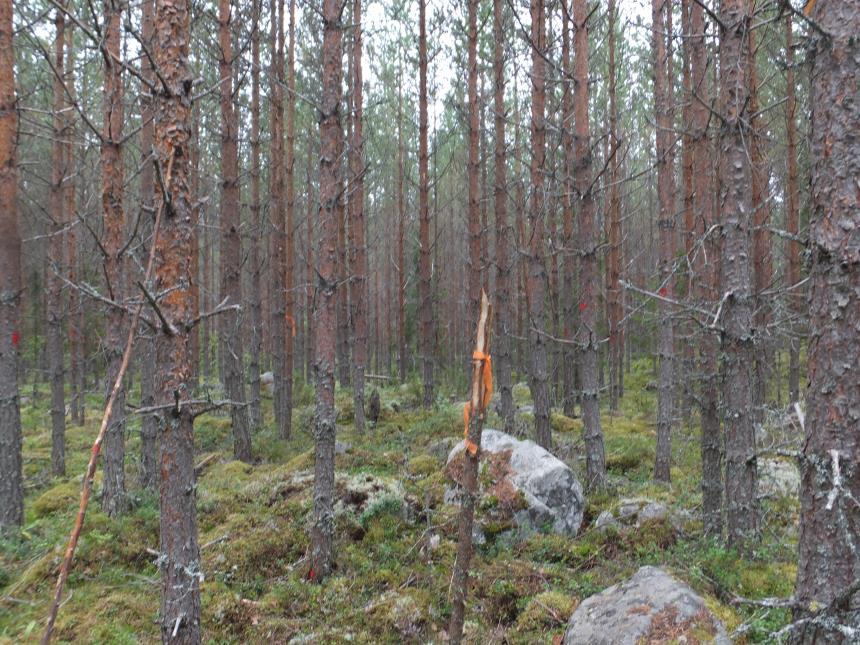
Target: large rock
650,607
267,380
524,483
778,478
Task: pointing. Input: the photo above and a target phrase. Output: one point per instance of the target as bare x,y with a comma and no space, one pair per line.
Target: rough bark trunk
11,475
401,240
666,225
762,265
737,341
567,226
114,499
310,290
69,196
504,329
474,267
792,217
56,313
180,557
231,244
290,256
536,278
589,279
707,276
614,260
829,564
358,298
425,296
277,216
331,143
149,422
460,577
255,413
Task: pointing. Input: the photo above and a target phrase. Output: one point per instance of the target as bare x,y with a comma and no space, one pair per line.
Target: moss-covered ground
392,569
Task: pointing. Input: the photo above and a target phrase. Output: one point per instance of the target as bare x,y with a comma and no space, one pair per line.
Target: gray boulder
527,484
267,380
778,478
643,608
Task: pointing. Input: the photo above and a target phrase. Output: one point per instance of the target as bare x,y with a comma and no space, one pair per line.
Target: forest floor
393,557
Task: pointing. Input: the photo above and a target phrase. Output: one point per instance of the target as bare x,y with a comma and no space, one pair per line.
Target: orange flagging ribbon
487,378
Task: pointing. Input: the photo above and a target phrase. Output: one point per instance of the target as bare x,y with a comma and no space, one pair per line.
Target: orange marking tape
487,378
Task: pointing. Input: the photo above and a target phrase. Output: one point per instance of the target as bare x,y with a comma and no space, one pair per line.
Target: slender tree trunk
504,328
792,217
277,216
231,246
589,278
613,260
180,557
11,475
69,196
325,317
401,238
829,563
762,267
255,412
55,291
477,403
310,290
425,297
114,499
536,278
737,342
473,269
707,274
666,224
290,258
358,282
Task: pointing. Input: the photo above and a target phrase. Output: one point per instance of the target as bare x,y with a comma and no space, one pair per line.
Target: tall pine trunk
425,297
180,557
792,217
589,278
56,252
737,341
11,476
536,277
325,317
829,563
504,263
666,226
113,177
614,258
290,255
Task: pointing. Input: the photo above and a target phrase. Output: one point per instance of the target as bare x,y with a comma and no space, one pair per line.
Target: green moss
547,610
423,465
61,497
563,424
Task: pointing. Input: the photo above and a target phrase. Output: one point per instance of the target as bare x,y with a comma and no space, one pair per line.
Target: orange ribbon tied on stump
487,378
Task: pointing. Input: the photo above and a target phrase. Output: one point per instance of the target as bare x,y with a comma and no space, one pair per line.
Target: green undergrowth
394,553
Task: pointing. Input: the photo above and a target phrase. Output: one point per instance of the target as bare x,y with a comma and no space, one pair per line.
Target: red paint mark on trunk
583,306
663,291
16,338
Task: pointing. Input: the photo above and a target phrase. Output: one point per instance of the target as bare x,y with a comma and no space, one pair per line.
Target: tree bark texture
425,296
255,301
11,475
536,277
114,499
830,464
737,336
180,558
589,278
325,316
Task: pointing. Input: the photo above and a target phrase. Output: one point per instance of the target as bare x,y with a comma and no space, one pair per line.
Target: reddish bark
231,244
331,144
829,563
706,274
425,297
11,476
289,322
114,499
474,268
180,558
